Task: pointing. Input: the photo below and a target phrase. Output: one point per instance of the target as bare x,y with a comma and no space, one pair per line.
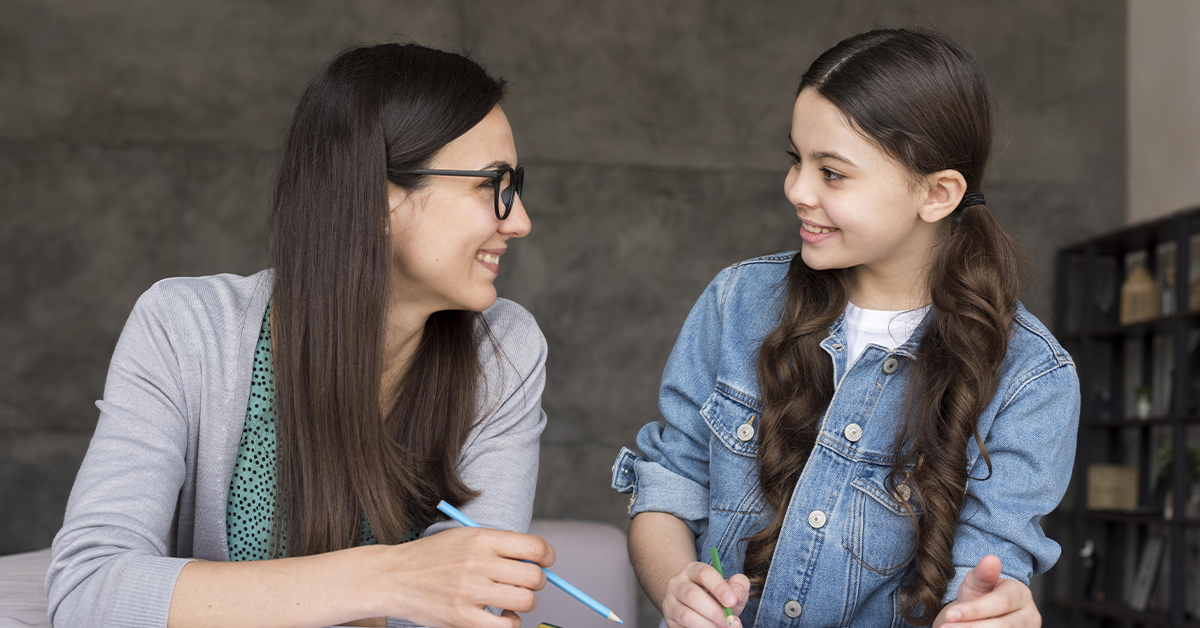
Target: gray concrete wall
138,139
1163,108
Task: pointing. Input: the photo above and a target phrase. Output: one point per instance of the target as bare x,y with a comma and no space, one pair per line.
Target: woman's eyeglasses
507,181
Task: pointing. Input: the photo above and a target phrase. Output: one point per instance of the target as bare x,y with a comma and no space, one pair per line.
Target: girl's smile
813,233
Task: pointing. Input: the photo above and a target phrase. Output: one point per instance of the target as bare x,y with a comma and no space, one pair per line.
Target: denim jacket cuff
656,489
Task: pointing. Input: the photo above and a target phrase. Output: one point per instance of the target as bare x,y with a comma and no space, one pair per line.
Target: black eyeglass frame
518,182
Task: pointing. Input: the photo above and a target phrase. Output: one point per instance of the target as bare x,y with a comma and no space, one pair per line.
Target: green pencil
717,564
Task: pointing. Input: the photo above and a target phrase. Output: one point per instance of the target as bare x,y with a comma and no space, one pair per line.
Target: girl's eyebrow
497,165
824,154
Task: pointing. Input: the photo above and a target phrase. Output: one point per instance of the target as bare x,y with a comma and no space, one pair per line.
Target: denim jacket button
816,519
890,365
745,432
853,432
903,492
792,609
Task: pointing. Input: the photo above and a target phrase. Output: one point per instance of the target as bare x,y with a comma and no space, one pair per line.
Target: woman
869,430
268,444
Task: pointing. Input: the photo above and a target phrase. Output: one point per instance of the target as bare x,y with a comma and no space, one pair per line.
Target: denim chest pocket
733,418
880,534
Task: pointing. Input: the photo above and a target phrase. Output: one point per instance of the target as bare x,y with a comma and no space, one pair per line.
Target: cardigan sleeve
109,563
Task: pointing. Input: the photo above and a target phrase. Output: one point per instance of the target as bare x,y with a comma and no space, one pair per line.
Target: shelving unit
1106,433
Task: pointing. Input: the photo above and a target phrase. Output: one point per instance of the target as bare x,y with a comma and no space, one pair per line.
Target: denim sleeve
671,474
1032,447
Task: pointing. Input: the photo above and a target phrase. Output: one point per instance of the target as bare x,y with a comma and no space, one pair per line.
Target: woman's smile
490,258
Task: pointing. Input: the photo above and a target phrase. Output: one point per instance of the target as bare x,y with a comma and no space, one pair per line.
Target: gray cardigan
152,491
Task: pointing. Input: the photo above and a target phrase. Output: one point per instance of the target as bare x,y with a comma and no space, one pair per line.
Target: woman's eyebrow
497,165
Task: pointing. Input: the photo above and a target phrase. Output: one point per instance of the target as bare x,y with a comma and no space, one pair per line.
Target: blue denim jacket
842,553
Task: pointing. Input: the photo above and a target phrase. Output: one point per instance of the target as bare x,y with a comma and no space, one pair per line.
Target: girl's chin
817,261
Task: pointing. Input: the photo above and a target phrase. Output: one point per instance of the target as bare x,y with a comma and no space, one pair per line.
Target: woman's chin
480,299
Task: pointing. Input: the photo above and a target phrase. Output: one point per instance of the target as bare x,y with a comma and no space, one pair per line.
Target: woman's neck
403,328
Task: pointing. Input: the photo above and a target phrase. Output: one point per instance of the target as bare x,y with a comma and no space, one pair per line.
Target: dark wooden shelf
1136,237
1118,611
1103,349
1119,516
1103,424
1162,325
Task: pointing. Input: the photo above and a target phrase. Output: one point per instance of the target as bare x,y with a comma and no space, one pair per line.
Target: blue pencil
554,578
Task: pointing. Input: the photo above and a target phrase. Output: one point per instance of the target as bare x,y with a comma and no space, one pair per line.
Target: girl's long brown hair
924,101
371,116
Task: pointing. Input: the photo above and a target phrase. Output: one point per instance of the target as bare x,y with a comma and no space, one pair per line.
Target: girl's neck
890,288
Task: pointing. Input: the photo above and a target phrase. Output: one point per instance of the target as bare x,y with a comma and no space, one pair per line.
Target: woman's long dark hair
371,116
924,101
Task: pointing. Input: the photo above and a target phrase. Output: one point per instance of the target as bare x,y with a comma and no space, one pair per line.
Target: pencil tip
613,616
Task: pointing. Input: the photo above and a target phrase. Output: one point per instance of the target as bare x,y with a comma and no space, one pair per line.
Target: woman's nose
517,225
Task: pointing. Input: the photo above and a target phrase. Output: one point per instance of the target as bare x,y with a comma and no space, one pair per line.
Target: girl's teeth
811,229
488,258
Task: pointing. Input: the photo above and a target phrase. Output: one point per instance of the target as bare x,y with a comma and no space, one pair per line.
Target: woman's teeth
811,229
488,258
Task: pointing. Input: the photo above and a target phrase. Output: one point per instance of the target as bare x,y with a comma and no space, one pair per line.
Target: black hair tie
970,199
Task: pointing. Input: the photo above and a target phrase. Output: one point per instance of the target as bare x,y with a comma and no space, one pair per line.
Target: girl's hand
987,601
695,597
447,579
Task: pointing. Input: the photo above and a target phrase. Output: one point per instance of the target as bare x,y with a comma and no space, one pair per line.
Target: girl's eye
793,156
489,184
831,175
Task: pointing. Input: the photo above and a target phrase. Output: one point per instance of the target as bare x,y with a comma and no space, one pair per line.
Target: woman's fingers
519,546
448,578
509,598
517,573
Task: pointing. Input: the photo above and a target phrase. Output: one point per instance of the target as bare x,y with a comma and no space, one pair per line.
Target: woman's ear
945,189
396,196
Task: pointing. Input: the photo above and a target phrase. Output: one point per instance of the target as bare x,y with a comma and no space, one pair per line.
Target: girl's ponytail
976,280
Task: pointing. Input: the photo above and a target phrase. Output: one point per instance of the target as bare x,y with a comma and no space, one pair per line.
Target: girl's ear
945,189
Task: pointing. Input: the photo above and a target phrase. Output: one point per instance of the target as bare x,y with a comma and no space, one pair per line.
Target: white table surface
22,594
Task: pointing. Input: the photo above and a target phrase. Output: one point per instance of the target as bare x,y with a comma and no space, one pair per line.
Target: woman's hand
987,601
447,579
695,596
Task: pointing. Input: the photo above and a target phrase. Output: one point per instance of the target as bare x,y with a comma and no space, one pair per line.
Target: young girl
871,429
267,444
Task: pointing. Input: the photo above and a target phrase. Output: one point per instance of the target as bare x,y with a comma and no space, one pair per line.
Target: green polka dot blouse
249,513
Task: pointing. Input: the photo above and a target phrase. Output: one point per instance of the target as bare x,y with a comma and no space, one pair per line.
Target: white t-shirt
886,328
